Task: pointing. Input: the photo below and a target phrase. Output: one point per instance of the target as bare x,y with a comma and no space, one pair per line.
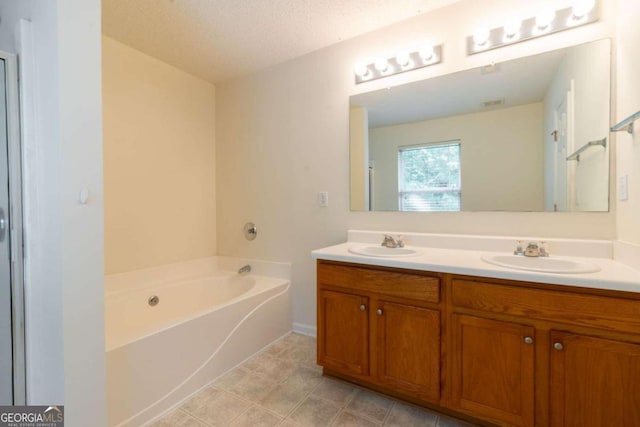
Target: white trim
28,86
16,228
303,329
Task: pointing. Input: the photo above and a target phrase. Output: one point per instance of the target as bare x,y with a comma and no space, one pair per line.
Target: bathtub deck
282,386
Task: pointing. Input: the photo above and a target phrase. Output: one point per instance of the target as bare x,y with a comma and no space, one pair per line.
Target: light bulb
582,7
481,36
426,53
403,59
381,65
512,28
544,18
361,69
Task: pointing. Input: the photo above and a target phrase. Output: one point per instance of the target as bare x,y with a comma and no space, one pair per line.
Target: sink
382,251
542,264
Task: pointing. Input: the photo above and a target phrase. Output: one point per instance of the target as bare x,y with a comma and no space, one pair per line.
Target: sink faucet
519,250
533,249
390,242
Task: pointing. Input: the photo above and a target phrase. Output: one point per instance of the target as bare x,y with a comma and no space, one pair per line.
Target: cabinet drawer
417,287
588,310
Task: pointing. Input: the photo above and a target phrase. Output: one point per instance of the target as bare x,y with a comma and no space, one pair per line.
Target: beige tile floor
283,386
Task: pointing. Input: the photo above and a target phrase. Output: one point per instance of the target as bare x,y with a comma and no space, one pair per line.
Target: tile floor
283,386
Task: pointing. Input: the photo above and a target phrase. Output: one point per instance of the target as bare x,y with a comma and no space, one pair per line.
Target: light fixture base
415,62
564,20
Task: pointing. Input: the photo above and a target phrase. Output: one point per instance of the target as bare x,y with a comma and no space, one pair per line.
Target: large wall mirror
530,134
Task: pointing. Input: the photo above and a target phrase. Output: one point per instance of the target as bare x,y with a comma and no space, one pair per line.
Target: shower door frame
14,157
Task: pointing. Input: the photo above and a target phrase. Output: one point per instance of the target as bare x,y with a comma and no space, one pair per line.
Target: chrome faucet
533,249
519,250
390,242
244,269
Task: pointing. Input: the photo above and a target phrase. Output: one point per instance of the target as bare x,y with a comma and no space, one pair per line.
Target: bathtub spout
244,269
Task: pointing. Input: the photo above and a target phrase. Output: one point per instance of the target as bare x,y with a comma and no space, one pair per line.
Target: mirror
529,134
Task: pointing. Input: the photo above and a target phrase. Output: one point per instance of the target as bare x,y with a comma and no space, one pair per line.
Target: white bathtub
206,322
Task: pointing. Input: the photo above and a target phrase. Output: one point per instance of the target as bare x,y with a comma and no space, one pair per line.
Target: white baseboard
303,329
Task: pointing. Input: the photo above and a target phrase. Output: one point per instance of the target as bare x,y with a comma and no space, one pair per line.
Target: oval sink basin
382,251
542,264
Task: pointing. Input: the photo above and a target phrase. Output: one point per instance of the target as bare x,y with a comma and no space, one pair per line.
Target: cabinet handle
363,307
528,340
558,346
379,312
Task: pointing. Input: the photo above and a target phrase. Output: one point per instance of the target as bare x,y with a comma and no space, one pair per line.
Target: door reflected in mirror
530,134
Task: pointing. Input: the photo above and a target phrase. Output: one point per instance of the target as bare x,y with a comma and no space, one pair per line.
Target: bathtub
207,320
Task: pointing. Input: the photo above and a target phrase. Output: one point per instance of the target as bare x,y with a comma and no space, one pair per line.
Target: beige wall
282,135
497,174
159,162
628,102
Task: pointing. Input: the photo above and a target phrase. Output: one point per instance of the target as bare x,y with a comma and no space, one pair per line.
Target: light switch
83,196
623,188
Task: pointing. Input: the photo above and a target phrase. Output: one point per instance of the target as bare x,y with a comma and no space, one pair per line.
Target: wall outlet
323,199
623,188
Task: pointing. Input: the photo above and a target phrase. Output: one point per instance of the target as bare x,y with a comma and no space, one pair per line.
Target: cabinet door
343,332
492,369
408,349
594,381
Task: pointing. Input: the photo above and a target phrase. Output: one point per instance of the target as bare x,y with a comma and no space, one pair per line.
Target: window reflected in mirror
429,177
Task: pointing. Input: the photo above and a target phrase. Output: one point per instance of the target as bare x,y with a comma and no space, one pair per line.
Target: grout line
297,405
275,414
188,414
241,413
334,419
386,418
197,418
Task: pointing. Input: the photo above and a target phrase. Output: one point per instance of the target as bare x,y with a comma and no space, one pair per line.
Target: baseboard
303,329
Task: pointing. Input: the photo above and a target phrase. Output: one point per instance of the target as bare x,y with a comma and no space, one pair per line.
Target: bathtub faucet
244,269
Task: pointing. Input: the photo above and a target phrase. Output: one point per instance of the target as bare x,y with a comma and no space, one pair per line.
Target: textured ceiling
219,39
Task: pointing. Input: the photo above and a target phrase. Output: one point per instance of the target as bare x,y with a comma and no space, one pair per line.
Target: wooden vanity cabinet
503,352
537,355
343,332
492,368
407,349
380,326
594,381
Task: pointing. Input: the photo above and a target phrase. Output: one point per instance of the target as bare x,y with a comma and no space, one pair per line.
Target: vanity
492,344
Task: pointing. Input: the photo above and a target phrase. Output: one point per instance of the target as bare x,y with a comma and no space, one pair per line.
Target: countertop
614,276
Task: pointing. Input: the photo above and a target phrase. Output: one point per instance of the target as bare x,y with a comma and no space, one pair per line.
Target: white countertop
613,275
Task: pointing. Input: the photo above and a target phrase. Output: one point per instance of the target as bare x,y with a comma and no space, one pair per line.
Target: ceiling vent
491,68
493,103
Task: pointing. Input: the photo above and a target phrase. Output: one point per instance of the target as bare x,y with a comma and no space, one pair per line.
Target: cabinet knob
363,307
558,346
379,312
528,340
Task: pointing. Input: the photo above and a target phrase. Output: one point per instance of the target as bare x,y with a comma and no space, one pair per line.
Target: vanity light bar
547,22
384,67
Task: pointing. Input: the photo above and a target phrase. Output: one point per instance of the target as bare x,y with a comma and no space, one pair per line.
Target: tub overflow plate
153,300
250,231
